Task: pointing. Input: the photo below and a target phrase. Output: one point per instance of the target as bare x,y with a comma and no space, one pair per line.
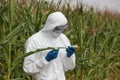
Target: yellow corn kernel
75,46
55,48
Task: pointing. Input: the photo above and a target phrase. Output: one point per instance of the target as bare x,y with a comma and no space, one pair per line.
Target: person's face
59,29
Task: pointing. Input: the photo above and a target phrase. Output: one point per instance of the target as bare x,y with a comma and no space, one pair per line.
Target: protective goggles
60,28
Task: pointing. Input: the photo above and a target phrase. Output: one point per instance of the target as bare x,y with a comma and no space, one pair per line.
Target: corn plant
97,36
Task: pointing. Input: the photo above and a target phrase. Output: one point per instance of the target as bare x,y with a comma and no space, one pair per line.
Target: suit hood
53,20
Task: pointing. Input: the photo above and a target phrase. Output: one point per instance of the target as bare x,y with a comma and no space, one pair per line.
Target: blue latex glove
70,51
51,55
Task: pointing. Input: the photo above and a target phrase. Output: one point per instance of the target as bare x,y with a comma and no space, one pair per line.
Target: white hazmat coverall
36,64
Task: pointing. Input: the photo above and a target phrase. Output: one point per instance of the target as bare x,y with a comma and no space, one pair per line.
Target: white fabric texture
36,64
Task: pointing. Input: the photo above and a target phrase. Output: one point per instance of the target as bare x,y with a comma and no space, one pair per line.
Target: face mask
58,30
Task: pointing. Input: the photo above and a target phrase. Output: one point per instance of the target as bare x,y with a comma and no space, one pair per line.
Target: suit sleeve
68,62
35,62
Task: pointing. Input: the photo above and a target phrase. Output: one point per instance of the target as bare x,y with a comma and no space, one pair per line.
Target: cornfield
96,34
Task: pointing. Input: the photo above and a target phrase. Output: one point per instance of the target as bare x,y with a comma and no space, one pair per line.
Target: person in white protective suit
50,64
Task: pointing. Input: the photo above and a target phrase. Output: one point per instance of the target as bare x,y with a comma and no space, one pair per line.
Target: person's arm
35,62
68,62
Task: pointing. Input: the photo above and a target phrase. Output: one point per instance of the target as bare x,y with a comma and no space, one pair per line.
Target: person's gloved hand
70,51
52,55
